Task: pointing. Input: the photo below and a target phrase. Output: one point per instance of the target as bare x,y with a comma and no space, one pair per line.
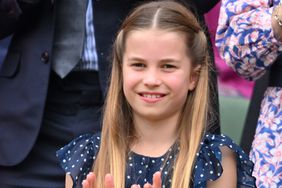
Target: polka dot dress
77,158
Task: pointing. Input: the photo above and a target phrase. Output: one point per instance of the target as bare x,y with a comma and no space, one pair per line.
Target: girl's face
157,73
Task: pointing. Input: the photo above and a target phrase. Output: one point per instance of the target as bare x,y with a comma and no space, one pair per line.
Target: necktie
69,35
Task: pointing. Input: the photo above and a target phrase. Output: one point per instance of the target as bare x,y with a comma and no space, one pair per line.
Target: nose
152,78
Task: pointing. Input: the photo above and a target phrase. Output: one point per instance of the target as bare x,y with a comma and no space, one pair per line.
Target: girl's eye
138,65
168,66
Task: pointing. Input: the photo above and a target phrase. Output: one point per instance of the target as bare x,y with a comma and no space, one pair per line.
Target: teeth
151,96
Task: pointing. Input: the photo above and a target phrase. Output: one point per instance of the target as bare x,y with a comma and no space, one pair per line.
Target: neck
154,137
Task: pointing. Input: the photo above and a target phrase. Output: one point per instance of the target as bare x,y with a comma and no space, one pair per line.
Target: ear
194,77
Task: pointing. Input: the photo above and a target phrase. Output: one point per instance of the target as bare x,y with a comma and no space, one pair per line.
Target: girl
156,112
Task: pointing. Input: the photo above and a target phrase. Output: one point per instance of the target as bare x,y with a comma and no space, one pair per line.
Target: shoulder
217,150
77,157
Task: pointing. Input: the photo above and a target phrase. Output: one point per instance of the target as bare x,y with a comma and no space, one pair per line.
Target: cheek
179,83
181,90
129,81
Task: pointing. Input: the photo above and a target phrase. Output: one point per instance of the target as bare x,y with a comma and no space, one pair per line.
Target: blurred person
229,83
249,37
52,82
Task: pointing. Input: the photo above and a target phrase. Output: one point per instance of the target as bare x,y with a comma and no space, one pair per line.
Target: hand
90,181
276,22
157,182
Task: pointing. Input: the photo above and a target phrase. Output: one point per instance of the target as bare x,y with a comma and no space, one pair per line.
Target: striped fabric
89,54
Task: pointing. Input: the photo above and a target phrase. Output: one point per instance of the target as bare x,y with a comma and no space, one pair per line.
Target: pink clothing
246,40
229,82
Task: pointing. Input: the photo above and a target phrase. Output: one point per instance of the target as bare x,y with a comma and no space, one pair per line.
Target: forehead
157,39
154,45
155,32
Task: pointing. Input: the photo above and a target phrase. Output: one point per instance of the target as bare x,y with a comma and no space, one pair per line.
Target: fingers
147,185
89,181
109,181
135,186
157,180
85,184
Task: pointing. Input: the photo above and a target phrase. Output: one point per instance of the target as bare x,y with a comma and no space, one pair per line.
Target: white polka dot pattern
78,156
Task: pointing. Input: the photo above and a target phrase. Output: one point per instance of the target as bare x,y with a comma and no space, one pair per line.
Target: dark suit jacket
24,76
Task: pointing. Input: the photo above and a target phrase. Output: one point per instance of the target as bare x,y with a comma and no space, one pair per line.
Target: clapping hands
90,180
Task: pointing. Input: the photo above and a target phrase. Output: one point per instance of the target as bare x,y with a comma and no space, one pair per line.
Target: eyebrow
135,59
167,60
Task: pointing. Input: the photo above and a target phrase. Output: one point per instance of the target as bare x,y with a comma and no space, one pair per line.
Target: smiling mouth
151,96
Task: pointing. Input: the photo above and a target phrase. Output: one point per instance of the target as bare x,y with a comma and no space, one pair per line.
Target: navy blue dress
78,156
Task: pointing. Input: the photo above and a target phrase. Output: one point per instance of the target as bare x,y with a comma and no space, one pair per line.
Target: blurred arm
245,37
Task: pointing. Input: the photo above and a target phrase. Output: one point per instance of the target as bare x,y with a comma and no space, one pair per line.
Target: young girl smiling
155,116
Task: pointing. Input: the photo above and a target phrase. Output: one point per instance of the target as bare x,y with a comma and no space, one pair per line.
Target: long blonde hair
118,132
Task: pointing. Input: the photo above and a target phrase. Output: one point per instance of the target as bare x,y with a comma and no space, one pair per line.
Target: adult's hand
276,22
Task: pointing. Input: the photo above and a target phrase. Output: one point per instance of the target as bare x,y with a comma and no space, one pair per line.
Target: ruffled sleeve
78,156
208,163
